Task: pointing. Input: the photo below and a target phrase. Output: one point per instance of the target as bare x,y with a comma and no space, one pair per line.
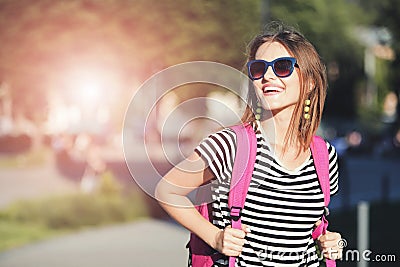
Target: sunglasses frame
271,63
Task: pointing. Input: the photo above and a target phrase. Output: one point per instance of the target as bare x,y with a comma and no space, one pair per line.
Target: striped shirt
281,206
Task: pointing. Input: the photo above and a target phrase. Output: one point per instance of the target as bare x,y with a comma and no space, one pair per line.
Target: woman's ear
311,86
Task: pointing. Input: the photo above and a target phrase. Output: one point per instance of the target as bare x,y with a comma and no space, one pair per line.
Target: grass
28,221
27,159
14,234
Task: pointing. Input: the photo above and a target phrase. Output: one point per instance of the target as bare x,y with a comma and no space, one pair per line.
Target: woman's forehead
271,50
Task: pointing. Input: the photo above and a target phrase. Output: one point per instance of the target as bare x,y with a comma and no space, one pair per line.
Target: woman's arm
171,192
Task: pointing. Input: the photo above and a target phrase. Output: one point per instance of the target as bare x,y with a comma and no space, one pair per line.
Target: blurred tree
42,39
329,25
386,14
130,40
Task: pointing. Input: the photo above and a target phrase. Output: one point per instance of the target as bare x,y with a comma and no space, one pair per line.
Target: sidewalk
147,243
32,182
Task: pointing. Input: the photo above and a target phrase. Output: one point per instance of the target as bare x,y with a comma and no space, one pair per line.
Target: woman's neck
275,130
277,126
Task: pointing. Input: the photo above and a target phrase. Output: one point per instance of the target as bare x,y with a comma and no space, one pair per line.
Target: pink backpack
205,256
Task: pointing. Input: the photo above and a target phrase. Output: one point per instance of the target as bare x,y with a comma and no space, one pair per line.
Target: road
149,243
144,243
32,182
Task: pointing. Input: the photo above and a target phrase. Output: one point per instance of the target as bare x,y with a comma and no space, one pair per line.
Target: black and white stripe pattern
281,206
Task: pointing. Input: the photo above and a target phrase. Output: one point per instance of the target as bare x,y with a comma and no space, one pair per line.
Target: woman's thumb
246,229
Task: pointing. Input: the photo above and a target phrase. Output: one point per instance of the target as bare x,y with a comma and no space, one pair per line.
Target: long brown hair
312,73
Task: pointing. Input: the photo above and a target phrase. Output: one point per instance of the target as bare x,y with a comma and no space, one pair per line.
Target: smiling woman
284,199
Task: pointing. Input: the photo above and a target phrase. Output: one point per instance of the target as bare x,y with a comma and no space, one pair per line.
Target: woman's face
276,94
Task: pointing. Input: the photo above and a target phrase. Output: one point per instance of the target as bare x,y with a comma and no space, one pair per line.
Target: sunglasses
282,67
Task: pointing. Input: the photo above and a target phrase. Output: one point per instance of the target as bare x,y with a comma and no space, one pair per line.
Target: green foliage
44,42
386,14
108,185
77,210
327,24
74,211
134,39
382,80
330,26
26,221
138,35
14,234
28,159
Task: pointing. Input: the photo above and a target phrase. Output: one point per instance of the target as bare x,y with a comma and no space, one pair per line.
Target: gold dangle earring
258,111
307,109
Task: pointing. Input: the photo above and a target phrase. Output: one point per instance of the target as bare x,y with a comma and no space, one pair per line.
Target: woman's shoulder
221,138
226,131
230,130
330,147
331,150
328,144
226,135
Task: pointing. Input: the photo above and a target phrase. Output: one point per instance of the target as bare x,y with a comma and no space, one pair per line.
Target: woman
284,201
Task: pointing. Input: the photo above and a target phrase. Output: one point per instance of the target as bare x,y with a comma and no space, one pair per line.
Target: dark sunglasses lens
283,67
257,69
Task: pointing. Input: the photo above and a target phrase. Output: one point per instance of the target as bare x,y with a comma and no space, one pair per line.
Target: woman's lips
272,89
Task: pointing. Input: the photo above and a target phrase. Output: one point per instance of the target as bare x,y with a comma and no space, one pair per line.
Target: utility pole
362,232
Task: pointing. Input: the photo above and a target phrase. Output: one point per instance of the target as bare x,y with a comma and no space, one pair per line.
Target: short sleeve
333,169
218,152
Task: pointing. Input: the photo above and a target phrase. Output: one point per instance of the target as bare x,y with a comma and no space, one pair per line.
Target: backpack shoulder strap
321,161
246,150
320,155
246,145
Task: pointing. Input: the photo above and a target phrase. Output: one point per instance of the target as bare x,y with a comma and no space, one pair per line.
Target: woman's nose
269,74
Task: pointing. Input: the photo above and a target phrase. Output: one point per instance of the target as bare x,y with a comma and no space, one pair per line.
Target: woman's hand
329,244
230,241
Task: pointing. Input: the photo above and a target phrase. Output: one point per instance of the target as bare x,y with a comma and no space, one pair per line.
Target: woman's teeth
268,89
